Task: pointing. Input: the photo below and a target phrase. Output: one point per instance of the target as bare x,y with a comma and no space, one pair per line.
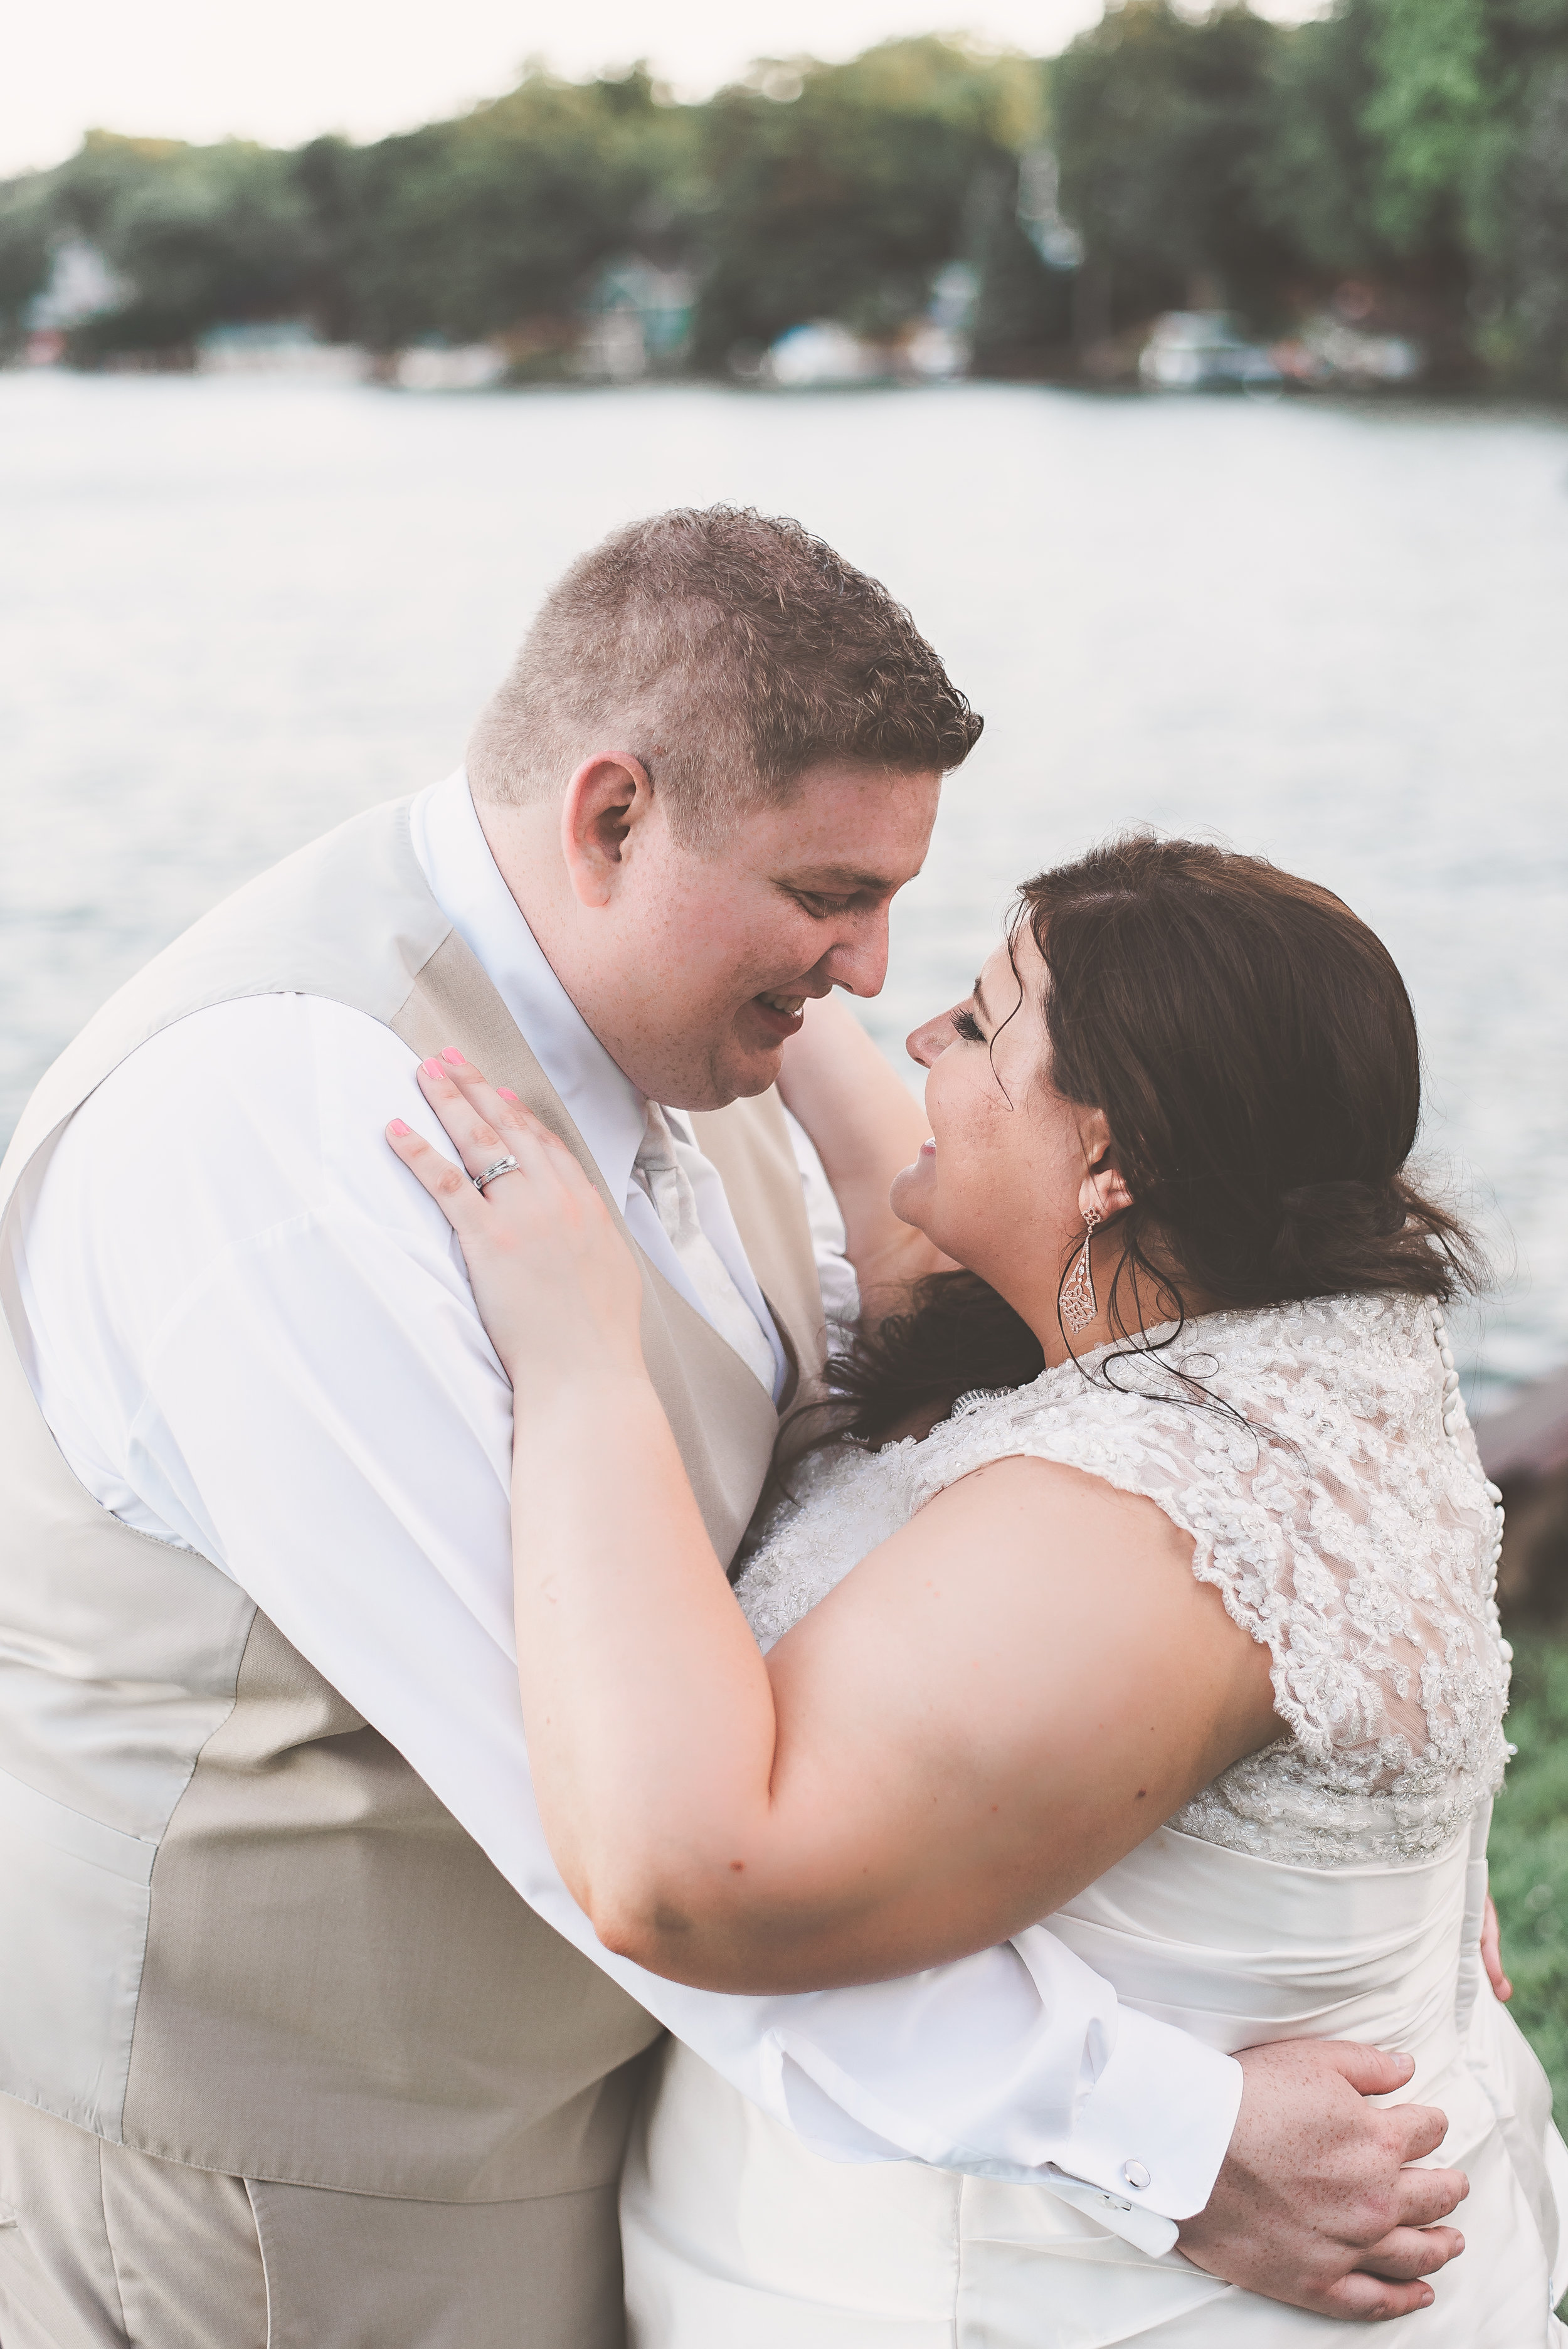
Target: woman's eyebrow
980,999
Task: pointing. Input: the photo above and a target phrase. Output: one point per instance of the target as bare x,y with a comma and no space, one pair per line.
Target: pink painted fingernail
451,1052
506,1093
432,1068
398,1127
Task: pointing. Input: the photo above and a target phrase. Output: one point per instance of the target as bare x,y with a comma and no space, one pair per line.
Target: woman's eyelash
964,1024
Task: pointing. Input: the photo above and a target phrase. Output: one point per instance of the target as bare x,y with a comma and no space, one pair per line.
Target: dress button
1135,2173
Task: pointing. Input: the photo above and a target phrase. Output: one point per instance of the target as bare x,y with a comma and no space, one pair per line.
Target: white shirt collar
604,1103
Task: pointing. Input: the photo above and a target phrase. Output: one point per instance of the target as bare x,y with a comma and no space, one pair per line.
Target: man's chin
751,1073
730,1076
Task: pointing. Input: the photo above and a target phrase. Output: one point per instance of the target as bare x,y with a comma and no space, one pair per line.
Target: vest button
1135,2173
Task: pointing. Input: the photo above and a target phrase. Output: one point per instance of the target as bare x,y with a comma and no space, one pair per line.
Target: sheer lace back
1338,1506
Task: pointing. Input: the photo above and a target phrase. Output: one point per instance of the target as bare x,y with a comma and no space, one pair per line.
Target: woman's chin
913,1194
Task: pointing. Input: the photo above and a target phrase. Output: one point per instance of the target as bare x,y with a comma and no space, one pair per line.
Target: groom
302,2043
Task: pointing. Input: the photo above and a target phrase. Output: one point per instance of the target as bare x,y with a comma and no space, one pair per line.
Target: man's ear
607,798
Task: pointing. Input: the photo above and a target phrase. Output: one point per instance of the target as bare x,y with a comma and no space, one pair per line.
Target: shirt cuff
1139,2154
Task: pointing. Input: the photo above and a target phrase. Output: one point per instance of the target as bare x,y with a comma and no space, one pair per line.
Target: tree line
1416,151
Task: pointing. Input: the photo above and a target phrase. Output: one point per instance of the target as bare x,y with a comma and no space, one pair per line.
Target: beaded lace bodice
1348,1528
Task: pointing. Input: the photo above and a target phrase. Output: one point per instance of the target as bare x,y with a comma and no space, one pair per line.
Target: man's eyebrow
835,876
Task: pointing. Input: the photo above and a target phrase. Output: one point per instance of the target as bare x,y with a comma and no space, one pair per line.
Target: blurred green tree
1433,115
1160,124
26,221
466,228
1315,174
1023,309
1529,1848
1421,143
838,192
198,233
1539,342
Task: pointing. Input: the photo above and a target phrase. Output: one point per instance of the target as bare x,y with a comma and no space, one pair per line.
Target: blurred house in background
276,346
1200,350
635,320
1329,348
934,347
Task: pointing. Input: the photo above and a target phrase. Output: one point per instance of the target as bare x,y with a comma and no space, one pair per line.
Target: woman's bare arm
998,1702
866,1127
995,1705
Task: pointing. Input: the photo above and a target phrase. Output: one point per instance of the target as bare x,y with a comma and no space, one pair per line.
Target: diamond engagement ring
502,1166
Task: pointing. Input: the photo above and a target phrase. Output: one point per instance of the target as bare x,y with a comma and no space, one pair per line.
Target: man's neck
527,856
526,847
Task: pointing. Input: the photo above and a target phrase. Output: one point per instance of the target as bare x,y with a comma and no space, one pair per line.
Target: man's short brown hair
730,652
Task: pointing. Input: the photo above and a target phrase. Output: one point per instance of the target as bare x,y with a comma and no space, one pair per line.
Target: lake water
234,611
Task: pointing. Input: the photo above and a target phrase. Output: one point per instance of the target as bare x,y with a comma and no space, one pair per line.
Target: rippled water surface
233,613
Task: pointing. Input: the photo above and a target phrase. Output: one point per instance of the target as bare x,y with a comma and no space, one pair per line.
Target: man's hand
1316,2204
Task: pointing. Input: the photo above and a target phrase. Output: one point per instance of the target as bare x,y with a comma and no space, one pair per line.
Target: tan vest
236,1929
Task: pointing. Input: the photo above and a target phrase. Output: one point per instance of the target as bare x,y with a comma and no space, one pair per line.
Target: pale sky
203,69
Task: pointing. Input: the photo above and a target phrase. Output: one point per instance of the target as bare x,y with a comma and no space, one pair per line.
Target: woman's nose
925,1042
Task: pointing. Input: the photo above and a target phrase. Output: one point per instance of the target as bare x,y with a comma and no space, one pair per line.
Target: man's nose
858,962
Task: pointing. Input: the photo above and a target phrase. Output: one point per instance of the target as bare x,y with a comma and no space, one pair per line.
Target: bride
1141,1581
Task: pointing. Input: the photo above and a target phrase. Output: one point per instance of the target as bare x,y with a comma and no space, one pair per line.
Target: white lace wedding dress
1329,1887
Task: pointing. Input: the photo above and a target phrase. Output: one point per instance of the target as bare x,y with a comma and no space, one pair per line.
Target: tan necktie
659,1169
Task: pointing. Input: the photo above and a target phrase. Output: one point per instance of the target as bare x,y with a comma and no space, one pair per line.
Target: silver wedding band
502,1166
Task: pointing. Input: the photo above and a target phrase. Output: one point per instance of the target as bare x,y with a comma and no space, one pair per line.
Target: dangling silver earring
1078,1303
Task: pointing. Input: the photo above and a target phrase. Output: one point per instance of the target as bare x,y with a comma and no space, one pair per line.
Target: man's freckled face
791,902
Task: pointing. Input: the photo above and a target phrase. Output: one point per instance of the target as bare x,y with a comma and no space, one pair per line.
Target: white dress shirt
252,1334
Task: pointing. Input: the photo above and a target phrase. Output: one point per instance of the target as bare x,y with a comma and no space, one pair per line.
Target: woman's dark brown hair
1252,1048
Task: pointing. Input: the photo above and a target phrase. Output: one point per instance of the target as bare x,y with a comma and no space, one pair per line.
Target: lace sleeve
1330,1489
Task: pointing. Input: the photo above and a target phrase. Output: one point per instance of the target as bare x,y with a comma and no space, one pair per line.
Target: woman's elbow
644,1911
647,1931
681,1927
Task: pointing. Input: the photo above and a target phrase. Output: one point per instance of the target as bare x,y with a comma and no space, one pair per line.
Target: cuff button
1135,2174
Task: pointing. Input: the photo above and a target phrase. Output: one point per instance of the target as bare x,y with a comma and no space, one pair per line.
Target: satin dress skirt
737,2236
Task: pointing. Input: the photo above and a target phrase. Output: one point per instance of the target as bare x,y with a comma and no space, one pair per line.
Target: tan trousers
104,2249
